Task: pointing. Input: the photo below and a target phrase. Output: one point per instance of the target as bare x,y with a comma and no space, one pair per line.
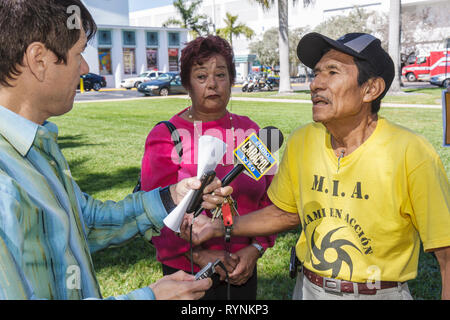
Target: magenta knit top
161,167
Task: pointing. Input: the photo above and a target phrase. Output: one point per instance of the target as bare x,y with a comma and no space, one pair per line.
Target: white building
120,51
259,20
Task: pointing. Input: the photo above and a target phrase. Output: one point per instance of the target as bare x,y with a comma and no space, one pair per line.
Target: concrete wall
114,79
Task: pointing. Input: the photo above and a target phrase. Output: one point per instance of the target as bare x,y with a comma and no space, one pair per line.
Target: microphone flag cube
255,156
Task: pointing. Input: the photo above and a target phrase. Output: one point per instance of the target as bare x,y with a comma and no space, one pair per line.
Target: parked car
167,83
442,80
143,77
93,81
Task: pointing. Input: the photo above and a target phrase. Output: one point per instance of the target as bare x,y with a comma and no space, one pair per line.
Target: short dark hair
23,22
201,49
366,72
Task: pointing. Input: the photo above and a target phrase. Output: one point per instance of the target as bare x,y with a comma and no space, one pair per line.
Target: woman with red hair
208,73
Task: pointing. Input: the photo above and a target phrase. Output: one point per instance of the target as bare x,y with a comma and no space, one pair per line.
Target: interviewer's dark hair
201,49
23,22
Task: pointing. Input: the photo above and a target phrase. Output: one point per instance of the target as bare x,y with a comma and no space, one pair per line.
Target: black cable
191,249
220,264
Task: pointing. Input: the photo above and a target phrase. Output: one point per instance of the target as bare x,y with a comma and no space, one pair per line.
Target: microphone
255,155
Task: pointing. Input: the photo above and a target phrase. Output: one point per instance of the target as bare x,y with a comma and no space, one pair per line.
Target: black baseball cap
364,46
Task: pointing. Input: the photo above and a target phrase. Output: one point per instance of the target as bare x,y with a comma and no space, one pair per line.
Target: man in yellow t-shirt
363,215
364,190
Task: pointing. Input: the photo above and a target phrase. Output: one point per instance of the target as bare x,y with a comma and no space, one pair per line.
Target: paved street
110,93
107,94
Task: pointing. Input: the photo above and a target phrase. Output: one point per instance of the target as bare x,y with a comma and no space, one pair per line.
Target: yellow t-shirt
363,216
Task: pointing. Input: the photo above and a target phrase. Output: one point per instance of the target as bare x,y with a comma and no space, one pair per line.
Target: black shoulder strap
175,137
176,141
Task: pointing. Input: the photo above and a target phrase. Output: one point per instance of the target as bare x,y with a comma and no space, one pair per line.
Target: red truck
434,68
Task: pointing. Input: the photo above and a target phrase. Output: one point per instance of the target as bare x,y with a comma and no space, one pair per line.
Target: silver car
143,77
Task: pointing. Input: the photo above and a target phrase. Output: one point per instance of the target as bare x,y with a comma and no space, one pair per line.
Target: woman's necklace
198,132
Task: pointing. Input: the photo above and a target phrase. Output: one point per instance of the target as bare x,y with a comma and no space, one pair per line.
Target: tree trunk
283,44
394,41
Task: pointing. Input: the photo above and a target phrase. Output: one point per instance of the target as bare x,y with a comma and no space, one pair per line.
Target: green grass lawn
104,143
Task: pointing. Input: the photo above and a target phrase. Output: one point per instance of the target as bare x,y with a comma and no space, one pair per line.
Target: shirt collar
21,132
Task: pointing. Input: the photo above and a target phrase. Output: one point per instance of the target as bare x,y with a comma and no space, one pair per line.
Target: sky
147,4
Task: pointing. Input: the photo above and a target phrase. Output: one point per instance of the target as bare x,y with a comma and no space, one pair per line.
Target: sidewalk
383,104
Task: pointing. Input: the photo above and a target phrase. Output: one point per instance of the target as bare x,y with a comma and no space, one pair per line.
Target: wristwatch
259,247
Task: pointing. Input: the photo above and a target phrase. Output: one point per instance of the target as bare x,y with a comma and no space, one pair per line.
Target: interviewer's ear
374,87
37,58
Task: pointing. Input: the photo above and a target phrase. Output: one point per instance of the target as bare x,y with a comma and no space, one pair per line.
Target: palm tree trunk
394,41
283,44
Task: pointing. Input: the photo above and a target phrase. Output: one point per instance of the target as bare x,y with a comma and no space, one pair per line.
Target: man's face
210,86
63,79
335,92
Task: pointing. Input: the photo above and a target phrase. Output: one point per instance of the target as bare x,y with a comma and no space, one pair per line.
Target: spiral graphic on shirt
342,256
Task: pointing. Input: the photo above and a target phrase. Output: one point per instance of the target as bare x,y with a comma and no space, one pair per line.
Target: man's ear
36,59
373,89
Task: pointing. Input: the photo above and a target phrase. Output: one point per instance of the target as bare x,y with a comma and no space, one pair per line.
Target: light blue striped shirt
49,227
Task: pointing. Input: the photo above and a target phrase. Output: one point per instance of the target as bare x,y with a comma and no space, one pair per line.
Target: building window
174,39
104,38
129,38
173,59
129,61
152,39
104,59
152,59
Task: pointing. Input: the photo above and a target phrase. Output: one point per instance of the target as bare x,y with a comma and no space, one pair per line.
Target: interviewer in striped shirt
48,226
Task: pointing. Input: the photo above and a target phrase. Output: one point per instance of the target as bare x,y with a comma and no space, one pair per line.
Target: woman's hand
202,257
203,228
248,258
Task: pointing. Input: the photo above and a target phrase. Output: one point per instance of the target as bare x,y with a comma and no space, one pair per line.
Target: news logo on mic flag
255,156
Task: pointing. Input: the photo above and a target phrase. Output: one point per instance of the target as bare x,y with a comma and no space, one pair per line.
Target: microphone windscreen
271,137
254,158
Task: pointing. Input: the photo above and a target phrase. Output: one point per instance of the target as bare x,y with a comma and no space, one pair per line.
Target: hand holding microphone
255,156
179,190
211,151
195,202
